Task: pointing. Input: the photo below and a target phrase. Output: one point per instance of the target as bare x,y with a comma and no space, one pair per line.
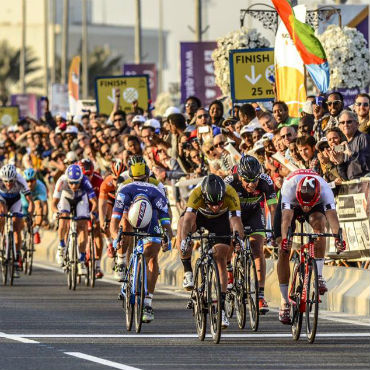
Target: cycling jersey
231,203
96,181
38,193
127,194
19,187
288,191
251,202
107,189
151,180
62,187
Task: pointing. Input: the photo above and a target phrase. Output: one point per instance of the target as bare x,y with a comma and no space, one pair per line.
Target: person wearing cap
71,158
248,116
137,123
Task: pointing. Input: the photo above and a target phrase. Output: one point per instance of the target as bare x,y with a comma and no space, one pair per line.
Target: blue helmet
74,173
29,174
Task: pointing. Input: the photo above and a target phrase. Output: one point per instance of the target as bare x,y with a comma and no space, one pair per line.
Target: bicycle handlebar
248,230
11,215
73,218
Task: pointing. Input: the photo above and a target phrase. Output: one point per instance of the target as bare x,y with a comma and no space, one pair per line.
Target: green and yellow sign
9,115
251,75
132,88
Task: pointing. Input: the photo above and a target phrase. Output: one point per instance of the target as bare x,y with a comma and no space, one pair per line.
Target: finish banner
197,72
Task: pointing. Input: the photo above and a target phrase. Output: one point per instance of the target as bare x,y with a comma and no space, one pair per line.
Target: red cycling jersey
96,181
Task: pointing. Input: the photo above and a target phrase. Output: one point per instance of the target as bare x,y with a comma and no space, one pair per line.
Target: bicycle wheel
24,250
139,292
240,292
74,261
128,298
312,300
92,269
30,250
252,291
295,293
11,260
229,304
4,261
214,301
199,309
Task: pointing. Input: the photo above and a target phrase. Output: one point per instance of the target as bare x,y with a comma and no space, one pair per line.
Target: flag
289,68
74,84
307,44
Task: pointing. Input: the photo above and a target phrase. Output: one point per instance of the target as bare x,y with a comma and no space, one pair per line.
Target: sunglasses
105,153
118,120
349,122
195,156
147,137
161,151
8,181
220,203
361,104
287,135
30,181
220,144
74,182
250,181
211,149
202,116
334,102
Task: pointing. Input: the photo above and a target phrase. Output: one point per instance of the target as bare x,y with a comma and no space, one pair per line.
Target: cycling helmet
87,166
8,172
117,167
29,174
249,168
74,173
140,212
137,167
308,191
213,189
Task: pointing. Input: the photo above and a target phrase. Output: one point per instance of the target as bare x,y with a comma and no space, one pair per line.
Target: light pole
22,56
160,47
65,42
46,46
138,31
85,73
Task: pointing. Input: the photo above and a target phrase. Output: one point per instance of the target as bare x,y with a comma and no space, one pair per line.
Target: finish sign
251,75
132,88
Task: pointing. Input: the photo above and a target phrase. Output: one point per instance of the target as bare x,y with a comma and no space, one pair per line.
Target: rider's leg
82,232
98,241
185,257
151,256
256,241
220,255
38,212
18,226
318,221
3,209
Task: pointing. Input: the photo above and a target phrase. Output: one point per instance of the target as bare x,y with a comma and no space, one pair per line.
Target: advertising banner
197,71
149,69
9,116
132,88
74,84
27,103
59,100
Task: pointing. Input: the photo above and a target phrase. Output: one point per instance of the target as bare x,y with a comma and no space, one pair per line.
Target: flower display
348,57
243,38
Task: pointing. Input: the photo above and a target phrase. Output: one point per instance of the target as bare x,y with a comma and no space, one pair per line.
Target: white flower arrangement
348,57
243,38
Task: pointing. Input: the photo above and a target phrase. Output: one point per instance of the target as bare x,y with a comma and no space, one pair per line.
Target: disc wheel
214,301
312,300
200,312
295,295
252,291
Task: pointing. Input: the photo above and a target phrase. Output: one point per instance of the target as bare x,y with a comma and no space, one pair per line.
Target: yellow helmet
137,167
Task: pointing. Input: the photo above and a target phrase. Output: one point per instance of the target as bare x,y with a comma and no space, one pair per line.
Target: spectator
216,112
257,134
288,135
228,162
177,128
305,125
354,161
294,155
119,122
192,104
335,106
268,122
247,139
281,114
307,150
205,130
248,117
229,130
321,117
362,108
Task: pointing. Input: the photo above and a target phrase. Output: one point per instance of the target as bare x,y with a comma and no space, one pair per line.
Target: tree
9,69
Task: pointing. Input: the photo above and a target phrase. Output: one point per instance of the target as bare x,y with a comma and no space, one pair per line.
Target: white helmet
140,212
8,172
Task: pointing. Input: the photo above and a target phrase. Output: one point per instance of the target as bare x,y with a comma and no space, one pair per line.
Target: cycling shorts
219,225
298,212
82,208
13,204
254,220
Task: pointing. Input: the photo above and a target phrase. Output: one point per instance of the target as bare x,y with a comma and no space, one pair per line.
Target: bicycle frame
9,228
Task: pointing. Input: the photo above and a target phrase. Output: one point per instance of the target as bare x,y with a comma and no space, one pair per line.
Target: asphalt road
44,326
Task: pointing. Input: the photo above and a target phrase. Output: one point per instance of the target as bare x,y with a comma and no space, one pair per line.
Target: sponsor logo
142,209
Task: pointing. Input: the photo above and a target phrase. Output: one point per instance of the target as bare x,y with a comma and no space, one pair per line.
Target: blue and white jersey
129,192
38,193
62,187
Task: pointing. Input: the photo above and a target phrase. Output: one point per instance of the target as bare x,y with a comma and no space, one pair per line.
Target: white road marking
224,335
101,361
18,338
325,315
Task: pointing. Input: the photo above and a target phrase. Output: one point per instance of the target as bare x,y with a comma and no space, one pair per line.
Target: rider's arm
286,221
102,210
31,205
94,204
54,204
114,226
272,208
237,225
332,217
188,224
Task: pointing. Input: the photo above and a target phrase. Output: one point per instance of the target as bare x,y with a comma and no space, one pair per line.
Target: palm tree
9,69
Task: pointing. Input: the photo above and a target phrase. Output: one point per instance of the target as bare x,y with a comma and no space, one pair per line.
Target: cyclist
107,196
73,187
12,184
39,196
216,207
254,187
96,180
145,200
305,195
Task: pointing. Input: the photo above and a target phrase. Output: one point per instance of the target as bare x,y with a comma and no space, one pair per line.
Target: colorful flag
289,68
307,44
74,84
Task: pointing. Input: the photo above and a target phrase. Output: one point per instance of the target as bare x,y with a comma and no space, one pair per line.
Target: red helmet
117,167
87,166
308,191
